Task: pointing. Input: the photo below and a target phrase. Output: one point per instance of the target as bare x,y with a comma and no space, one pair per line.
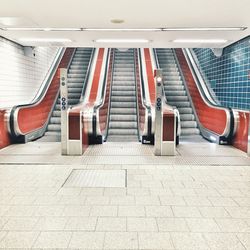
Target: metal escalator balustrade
175,92
123,105
76,80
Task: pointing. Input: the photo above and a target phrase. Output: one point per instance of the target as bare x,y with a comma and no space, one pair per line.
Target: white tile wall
20,75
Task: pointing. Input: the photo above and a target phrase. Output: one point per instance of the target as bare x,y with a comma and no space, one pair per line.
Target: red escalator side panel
150,74
168,125
240,139
85,134
103,111
4,135
75,115
97,74
211,118
34,117
74,125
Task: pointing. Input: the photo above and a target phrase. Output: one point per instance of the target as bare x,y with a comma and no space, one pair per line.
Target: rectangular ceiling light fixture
62,29
121,41
199,41
206,29
45,40
82,29
42,29
127,29
120,29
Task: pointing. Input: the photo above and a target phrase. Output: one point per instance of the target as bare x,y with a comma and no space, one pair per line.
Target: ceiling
135,13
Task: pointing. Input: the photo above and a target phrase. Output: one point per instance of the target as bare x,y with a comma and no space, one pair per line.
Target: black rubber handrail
136,64
104,83
158,67
85,82
148,107
100,103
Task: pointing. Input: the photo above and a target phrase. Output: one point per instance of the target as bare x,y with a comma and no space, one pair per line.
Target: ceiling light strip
206,29
45,40
43,29
121,41
125,29
129,29
199,41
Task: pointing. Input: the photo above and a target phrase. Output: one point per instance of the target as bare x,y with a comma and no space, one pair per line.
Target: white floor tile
214,212
155,241
109,224
87,240
77,211
218,241
51,224
186,212
136,224
18,240
131,211
80,224
159,211
53,240
104,211
244,239
233,225
20,224
202,225
172,225
121,240
189,241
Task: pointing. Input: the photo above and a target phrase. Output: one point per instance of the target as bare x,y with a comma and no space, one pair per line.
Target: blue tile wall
229,75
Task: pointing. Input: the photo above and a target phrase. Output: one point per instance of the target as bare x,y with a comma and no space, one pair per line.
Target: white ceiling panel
136,14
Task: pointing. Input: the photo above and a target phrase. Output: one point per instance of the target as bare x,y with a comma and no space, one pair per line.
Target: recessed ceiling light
199,41
206,29
45,40
122,41
117,21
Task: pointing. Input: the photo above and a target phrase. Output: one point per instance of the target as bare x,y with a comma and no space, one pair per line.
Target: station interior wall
229,74
21,73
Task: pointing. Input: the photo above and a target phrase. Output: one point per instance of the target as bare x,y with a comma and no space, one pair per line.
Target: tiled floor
199,199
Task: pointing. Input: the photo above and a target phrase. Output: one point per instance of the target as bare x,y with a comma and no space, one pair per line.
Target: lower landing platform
188,153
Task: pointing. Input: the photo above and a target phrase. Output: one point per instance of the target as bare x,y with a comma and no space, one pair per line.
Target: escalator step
122,125
122,111
121,131
123,117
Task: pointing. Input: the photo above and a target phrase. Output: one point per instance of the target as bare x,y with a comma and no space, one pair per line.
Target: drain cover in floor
96,178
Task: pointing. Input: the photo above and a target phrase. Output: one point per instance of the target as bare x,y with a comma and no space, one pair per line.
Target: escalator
76,80
186,89
122,125
176,93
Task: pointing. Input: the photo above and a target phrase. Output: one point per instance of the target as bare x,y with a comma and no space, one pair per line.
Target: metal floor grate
96,178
